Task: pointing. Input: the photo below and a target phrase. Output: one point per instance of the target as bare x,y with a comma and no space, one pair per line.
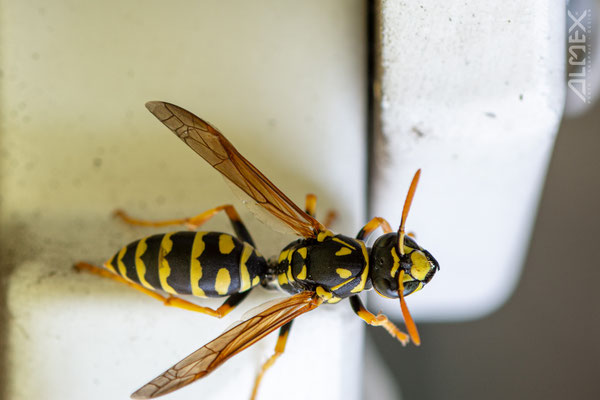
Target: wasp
320,267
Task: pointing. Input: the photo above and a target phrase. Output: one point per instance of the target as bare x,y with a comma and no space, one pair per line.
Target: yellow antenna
407,203
411,327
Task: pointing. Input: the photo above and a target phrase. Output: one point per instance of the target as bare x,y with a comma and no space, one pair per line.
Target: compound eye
386,288
412,286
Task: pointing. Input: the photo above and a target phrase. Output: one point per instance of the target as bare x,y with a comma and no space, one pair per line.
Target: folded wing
209,143
204,360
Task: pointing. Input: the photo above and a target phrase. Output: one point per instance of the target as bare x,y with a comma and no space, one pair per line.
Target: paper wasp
321,267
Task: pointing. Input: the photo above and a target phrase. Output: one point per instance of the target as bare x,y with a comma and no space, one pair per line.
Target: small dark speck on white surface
418,131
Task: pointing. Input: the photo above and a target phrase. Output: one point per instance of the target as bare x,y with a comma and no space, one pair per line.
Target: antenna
407,203
411,327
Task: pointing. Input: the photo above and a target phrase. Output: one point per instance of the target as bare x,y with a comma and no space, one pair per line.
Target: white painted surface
472,93
283,81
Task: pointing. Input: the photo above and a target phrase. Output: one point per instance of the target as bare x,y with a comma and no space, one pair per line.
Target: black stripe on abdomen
179,261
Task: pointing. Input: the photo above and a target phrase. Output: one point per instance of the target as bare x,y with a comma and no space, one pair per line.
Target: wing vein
211,145
206,359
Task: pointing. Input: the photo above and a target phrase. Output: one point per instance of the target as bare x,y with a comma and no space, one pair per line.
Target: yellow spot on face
302,252
255,281
344,251
363,277
324,294
195,268
223,281
420,267
343,272
334,300
282,279
120,265
140,267
164,270
396,262
343,243
244,274
302,274
290,277
225,244
323,235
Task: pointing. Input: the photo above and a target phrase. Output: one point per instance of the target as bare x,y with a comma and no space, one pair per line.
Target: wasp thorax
418,265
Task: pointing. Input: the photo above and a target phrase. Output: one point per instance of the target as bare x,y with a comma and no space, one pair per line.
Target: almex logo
579,57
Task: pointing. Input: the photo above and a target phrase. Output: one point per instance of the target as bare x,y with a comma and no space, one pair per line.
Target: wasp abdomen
334,266
203,264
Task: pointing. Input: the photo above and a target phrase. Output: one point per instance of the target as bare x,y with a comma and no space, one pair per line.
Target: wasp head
387,262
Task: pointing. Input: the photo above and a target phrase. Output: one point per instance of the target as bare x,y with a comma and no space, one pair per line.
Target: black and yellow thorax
203,264
334,266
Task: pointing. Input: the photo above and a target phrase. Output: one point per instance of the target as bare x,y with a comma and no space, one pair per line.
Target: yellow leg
377,320
171,301
311,209
311,204
329,218
192,223
411,327
372,225
279,349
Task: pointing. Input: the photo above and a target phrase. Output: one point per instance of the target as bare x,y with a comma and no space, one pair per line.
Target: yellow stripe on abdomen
164,270
120,265
140,267
226,245
223,281
195,267
109,264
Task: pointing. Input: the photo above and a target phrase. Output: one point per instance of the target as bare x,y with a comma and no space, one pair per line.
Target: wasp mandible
320,267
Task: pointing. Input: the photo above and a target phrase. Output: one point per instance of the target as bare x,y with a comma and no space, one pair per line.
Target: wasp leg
194,222
311,209
172,301
377,320
330,218
372,225
279,349
311,204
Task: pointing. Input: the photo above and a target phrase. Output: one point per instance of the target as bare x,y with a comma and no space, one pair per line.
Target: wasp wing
204,360
209,143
